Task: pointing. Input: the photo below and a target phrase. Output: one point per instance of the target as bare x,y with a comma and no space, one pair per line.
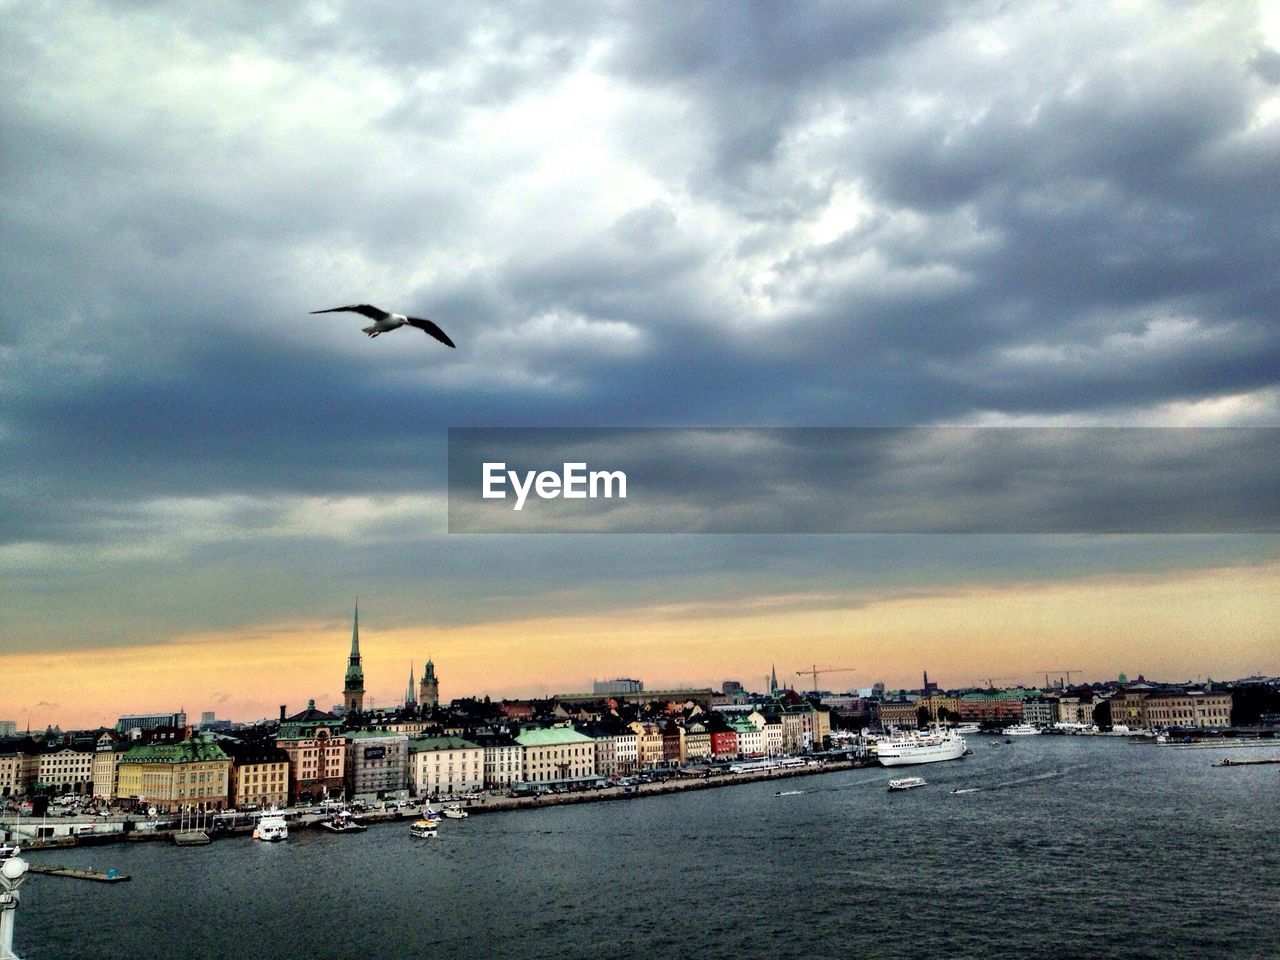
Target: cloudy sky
626,214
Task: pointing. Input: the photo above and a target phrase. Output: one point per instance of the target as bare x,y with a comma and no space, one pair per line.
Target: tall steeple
429,688
773,679
353,684
410,698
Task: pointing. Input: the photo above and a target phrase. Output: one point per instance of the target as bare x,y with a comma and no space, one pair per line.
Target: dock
109,877
1228,762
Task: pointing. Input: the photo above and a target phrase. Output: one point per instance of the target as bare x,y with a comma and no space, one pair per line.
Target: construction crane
1062,673
814,671
991,680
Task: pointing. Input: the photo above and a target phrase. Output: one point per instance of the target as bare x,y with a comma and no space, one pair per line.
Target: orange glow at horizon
1180,627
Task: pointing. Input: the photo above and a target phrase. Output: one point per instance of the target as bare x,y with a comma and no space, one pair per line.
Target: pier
109,876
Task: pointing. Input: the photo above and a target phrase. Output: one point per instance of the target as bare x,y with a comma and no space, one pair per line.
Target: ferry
271,827
1021,730
906,783
909,748
424,829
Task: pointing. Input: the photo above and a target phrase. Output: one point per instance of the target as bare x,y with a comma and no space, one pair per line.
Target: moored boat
272,828
343,822
906,783
455,812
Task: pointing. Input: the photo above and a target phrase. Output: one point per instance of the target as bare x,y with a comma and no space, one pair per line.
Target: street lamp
12,872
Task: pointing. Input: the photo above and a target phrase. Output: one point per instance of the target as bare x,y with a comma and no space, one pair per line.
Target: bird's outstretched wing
430,328
366,309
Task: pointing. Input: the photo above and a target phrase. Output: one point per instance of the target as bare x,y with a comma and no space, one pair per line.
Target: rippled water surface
1069,847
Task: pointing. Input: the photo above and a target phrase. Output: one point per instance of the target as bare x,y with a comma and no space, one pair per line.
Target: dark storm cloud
624,214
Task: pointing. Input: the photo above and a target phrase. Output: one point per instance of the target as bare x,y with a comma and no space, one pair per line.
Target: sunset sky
624,214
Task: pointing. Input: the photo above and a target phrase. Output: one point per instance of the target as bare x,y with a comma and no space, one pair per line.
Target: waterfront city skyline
625,215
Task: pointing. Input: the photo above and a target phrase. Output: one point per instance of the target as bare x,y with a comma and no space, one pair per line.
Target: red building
724,744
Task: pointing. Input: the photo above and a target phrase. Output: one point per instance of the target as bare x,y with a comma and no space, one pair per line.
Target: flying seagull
383,321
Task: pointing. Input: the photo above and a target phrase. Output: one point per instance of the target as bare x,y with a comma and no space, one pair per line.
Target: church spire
410,699
353,683
773,679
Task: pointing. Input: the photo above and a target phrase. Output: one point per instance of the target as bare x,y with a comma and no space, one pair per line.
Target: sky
624,215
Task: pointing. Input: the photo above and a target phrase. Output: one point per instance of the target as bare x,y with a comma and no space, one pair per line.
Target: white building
626,752
445,766
67,770
557,753
503,763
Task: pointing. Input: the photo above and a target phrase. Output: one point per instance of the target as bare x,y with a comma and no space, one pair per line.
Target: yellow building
173,776
560,753
259,775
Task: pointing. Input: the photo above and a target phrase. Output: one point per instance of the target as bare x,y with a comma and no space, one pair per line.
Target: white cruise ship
907,748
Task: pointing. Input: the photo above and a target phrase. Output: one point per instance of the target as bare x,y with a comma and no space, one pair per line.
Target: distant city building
377,765
559,753
8,728
620,685
445,766
1040,711
429,688
353,682
317,749
149,721
928,687
731,688
172,776
66,771
259,774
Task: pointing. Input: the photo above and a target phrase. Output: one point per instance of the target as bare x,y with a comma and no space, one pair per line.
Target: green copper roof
188,751
551,736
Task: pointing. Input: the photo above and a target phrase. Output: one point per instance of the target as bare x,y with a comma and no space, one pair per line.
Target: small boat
343,822
906,783
959,790
271,828
425,829
9,850
455,812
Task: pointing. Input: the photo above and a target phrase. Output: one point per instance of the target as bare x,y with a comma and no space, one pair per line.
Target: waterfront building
648,744
769,723
620,685
172,776
626,752
724,744
1040,711
606,745
259,774
149,721
901,712
445,766
429,688
107,752
749,737
939,706
353,682
1187,708
377,765
66,770
559,753
1129,707
502,761
317,751
697,741
991,705
1076,708
672,744
11,768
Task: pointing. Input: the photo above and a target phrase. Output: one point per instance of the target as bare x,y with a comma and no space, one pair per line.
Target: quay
221,826
1228,762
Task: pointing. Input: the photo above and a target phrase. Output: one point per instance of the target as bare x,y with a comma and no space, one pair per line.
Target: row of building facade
311,756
